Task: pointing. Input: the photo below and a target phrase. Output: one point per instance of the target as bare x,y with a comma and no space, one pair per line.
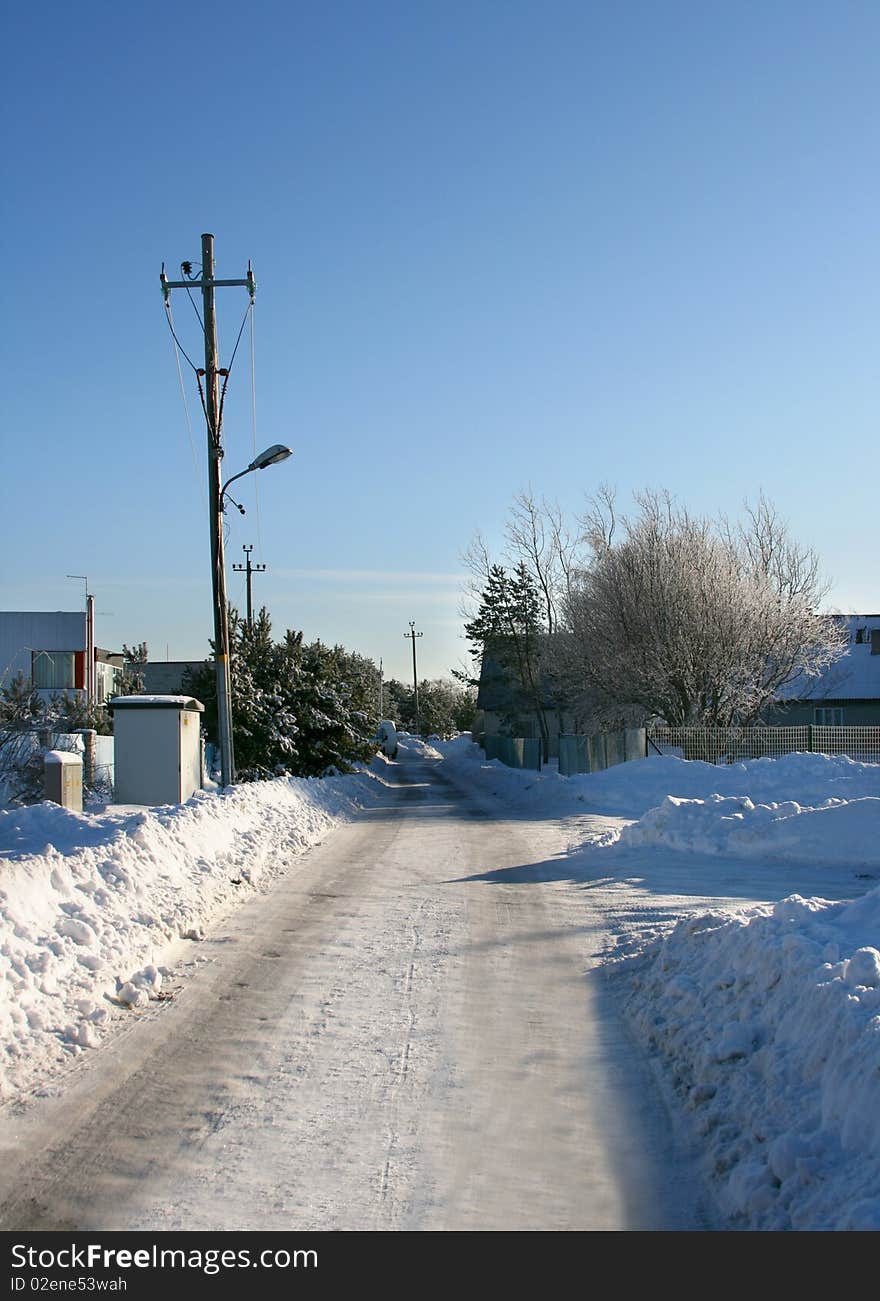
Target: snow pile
629,790
769,1023
845,832
89,901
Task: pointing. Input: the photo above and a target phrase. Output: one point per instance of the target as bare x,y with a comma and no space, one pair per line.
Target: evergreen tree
445,707
508,628
300,709
134,657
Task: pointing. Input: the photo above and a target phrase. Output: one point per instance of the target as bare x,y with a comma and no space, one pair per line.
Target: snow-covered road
408,1031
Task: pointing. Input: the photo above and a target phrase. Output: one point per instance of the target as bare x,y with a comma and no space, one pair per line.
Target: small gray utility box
63,779
157,748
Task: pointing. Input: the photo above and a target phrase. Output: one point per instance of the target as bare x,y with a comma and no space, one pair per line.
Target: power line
177,352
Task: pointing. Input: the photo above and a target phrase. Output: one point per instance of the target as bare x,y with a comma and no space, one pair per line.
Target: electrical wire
226,373
192,445
228,370
240,332
195,309
175,338
254,430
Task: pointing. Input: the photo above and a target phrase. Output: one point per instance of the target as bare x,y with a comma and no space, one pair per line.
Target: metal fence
602,750
733,744
514,751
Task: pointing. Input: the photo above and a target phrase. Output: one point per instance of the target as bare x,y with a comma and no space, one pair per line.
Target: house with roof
848,693
504,708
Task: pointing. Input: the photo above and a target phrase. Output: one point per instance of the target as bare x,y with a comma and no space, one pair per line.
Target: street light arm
240,475
272,455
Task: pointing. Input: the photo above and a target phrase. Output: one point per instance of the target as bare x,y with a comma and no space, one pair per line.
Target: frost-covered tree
690,622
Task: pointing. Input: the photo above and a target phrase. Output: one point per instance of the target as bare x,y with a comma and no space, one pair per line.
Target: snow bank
630,789
844,832
89,901
769,1023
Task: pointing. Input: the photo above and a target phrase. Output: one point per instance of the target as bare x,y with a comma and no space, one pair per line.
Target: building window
828,717
53,670
108,677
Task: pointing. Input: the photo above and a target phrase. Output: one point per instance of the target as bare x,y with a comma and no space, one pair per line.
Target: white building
54,651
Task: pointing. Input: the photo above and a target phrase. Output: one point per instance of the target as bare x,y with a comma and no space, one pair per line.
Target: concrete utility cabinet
63,779
157,748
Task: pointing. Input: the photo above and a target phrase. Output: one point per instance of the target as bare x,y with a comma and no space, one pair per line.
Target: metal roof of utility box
157,702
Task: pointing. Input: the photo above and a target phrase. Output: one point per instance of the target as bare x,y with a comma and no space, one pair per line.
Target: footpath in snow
764,1021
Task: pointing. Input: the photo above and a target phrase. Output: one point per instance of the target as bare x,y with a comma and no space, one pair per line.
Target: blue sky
498,245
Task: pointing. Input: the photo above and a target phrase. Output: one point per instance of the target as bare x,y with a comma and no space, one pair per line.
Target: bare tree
538,537
541,554
691,622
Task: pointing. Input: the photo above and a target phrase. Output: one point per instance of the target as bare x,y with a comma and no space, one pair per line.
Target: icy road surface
409,1031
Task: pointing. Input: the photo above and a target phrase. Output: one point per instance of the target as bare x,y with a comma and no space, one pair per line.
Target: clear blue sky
497,244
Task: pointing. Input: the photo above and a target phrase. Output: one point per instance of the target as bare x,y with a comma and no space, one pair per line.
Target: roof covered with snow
156,702
854,677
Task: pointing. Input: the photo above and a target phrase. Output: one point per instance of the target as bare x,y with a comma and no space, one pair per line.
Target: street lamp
271,456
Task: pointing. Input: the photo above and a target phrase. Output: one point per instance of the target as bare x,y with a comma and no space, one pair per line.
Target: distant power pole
413,634
249,569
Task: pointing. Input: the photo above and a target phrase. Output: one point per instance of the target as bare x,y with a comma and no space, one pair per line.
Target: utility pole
212,372
249,569
413,634
90,672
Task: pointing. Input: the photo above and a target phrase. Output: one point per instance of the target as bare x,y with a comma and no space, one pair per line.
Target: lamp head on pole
272,455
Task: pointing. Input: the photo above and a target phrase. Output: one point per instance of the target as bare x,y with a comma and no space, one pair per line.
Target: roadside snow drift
769,1023
89,901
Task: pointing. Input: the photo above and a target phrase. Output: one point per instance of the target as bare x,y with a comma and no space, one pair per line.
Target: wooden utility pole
413,634
206,282
249,569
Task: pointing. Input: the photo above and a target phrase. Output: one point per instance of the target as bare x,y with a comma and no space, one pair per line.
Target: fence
602,750
104,765
733,744
514,751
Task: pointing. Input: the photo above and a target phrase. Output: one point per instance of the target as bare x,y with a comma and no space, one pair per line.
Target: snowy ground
742,929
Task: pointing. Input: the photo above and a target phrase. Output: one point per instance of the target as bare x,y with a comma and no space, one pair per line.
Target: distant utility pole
413,634
249,569
90,671
211,374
